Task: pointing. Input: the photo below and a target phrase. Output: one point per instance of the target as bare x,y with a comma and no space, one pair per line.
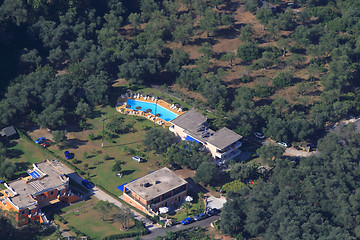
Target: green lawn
23,153
88,220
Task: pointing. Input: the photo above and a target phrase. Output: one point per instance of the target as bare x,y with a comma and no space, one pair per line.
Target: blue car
87,184
40,140
187,221
68,155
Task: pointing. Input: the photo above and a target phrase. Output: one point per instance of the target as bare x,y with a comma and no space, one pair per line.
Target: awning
188,138
54,201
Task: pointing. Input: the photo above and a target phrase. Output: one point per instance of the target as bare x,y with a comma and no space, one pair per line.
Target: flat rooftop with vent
223,144
161,188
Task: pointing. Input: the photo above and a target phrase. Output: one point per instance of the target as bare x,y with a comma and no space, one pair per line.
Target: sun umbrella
163,210
151,94
161,97
188,199
169,100
177,105
138,107
148,110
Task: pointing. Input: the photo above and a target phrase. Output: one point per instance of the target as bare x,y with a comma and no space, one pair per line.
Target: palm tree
187,206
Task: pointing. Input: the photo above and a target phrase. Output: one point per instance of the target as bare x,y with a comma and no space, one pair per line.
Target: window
52,193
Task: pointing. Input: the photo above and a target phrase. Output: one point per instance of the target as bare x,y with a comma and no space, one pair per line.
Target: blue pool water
165,114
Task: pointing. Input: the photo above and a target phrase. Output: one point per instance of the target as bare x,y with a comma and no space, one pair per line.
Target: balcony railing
227,158
233,147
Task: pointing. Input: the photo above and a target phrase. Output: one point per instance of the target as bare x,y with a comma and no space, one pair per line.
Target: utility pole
155,110
103,120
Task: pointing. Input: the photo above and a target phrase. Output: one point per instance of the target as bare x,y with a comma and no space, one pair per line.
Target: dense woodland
293,73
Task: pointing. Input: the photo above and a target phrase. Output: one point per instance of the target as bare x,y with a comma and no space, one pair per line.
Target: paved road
162,231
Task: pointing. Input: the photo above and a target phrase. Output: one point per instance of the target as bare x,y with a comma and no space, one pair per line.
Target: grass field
85,218
23,153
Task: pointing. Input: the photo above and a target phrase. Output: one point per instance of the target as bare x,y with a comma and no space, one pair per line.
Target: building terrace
157,189
223,144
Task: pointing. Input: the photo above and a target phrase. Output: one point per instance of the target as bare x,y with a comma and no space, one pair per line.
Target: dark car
87,184
200,216
45,145
213,211
187,221
68,155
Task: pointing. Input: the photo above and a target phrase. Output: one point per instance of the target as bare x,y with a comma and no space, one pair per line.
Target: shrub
245,79
248,51
91,136
262,91
283,79
75,161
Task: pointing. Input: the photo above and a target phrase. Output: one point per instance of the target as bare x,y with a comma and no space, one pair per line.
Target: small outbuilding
8,132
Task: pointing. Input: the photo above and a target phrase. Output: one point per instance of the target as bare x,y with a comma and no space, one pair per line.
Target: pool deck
120,107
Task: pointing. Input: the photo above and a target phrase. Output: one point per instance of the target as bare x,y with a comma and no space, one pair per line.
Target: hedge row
125,235
60,219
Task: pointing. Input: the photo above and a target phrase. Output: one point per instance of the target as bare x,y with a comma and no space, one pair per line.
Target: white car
138,159
283,144
259,135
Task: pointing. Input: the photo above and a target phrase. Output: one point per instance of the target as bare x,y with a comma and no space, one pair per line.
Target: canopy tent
163,210
188,199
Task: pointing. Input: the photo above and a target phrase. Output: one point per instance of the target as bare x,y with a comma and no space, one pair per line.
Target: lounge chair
179,110
152,99
122,96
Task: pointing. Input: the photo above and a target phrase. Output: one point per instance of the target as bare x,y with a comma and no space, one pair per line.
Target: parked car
45,144
213,211
187,220
259,135
200,216
138,159
87,184
283,144
68,155
40,140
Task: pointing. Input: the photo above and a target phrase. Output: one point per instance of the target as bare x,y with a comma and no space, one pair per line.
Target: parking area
213,202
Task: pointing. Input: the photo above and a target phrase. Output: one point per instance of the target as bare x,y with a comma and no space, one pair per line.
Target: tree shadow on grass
127,172
14,153
75,143
116,145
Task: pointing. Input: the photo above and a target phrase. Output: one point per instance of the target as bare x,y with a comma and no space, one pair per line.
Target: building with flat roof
44,186
161,188
223,144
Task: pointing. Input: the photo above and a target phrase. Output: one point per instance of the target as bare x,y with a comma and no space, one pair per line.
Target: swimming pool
165,114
